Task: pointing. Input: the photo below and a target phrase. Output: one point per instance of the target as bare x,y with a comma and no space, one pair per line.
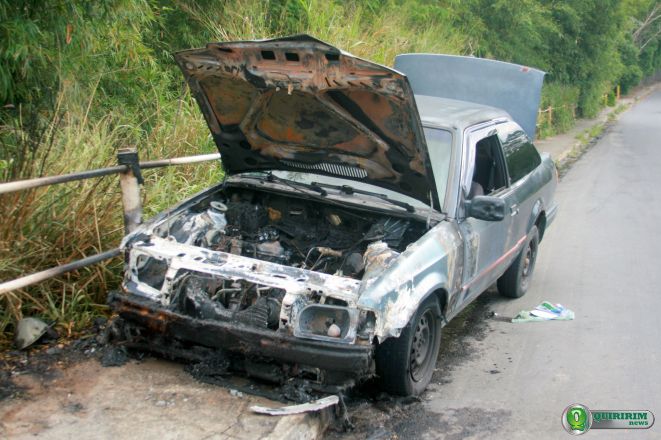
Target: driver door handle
514,210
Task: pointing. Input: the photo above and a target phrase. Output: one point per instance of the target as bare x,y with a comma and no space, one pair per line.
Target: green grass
58,224
616,111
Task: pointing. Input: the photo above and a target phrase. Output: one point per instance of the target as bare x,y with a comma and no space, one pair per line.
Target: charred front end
276,277
267,278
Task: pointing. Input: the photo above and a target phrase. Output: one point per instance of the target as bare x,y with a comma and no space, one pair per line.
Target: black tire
515,281
405,365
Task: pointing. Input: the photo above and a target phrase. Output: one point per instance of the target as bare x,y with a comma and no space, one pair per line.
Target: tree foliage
591,44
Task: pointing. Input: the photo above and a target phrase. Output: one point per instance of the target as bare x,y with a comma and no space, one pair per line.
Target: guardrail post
130,181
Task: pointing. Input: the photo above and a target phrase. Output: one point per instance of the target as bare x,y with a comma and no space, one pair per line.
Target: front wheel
405,364
515,281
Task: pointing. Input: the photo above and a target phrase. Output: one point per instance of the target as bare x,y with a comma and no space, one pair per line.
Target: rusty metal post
130,181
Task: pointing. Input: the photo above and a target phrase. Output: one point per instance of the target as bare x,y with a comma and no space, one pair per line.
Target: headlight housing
327,323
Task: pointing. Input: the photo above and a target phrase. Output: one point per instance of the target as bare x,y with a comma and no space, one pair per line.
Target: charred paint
304,101
355,360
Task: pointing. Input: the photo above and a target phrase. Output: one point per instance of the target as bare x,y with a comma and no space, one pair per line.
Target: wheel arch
394,324
443,300
541,224
538,218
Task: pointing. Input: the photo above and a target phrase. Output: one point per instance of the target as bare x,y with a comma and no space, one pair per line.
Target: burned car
355,219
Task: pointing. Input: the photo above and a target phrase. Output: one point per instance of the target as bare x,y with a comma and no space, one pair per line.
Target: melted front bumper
354,360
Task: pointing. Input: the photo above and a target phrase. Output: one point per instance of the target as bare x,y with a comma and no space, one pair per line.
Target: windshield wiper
270,177
347,189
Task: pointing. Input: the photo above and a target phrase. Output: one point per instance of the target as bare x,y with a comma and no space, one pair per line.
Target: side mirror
488,208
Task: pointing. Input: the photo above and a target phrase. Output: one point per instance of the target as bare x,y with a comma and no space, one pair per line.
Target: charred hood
299,104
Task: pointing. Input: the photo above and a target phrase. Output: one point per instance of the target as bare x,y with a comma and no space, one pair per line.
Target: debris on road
497,317
114,356
297,409
29,331
546,311
236,393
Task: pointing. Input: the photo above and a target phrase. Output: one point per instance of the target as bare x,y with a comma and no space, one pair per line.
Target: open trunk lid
514,88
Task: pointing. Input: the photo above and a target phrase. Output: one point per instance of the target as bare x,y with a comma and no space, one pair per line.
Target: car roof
452,113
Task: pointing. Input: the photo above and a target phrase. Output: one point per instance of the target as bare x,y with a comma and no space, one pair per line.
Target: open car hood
299,104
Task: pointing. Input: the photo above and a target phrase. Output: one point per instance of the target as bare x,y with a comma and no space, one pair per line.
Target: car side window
521,155
488,170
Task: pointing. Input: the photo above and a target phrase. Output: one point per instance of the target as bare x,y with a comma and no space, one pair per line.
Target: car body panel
352,359
431,265
457,117
485,242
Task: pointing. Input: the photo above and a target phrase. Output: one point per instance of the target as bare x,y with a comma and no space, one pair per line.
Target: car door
484,241
521,159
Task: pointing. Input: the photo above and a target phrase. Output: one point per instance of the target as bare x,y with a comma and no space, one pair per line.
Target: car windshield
439,144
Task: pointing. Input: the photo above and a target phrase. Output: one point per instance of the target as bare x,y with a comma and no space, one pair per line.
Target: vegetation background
81,79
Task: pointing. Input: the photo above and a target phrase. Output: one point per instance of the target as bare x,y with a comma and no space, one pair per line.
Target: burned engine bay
269,261
289,231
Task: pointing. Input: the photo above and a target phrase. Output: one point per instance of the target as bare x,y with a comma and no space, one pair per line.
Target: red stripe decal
496,263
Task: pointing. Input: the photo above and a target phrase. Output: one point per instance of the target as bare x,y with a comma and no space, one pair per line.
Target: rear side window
520,154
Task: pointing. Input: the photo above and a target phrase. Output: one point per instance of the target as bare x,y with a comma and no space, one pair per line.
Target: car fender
431,264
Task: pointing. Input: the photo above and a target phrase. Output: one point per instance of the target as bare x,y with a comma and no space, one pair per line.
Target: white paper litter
546,311
297,409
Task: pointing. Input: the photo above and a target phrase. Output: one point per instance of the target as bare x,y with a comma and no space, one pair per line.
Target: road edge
591,135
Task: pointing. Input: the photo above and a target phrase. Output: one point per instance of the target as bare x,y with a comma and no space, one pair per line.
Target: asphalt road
602,259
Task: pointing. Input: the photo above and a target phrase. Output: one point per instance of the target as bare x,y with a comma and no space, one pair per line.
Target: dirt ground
148,399
64,392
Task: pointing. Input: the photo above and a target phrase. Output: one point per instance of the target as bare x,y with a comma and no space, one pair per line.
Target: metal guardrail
20,185
38,277
130,180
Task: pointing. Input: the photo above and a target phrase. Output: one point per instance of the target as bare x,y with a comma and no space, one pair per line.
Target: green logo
576,419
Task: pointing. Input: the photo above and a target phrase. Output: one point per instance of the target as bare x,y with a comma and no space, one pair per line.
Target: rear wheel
515,281
405,365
